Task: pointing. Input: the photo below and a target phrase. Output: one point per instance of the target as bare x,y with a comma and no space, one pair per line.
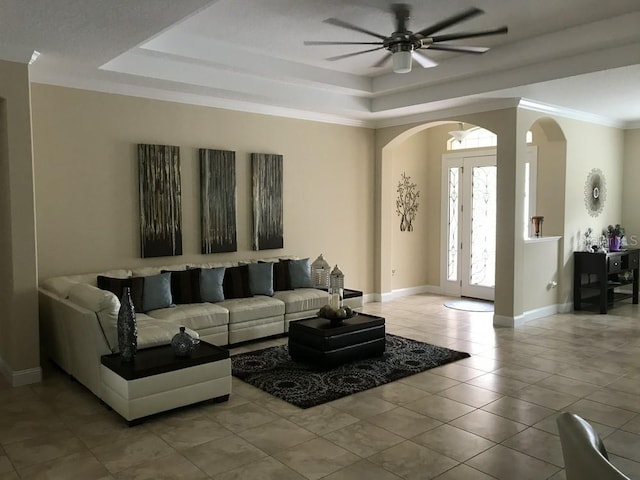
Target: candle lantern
336,283
320,271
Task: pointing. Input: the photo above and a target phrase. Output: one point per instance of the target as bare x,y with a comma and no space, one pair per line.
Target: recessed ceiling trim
192,47
266,90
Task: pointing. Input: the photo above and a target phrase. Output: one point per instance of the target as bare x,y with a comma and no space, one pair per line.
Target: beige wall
87,190
588,146
410,249
630,187
540,270
19,339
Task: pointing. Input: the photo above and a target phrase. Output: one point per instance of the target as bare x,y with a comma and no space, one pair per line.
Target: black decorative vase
127,328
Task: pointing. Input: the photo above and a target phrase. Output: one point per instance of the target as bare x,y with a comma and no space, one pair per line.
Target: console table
597,276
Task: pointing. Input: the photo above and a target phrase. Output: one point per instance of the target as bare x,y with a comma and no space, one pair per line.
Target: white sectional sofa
79,320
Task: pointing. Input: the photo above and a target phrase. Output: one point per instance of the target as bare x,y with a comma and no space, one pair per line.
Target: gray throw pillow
300,272
261,278
156,292
211,284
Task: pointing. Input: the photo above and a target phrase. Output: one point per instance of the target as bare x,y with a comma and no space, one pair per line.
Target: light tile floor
491,416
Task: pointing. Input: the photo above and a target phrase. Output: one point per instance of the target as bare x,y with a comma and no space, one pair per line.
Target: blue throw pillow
261,278
211,284
156,292
300,273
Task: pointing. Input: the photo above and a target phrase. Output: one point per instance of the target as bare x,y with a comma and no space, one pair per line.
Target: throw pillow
116,286
185,285
156,292
281,277
300,272
236,282
261,278
211,284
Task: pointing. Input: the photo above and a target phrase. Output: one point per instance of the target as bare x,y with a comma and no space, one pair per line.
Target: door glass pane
483,226
452,226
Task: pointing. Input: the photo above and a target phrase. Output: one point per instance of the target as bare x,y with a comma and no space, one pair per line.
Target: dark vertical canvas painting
160,200
267,201
218,200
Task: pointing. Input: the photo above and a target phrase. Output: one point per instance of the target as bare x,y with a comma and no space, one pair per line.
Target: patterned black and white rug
273,371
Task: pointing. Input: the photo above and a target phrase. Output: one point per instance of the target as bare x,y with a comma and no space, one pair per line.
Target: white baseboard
404,292
370,297
540,312
19,378
504,321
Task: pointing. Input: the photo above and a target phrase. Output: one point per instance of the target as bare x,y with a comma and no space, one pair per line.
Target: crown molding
201,100
632,125
527,104
449,113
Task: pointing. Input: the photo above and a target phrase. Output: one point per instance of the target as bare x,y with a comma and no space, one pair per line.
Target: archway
412,263
549,279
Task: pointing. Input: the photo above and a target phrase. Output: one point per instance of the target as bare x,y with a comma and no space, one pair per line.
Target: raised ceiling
582,56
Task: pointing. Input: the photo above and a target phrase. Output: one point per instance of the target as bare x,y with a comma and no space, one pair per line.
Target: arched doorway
413,260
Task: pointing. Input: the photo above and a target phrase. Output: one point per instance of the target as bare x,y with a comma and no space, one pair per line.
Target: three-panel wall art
161,200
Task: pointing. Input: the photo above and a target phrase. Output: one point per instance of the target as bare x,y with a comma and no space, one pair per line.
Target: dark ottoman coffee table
315,340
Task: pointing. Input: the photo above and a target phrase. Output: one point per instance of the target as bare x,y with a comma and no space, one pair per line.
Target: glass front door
469,183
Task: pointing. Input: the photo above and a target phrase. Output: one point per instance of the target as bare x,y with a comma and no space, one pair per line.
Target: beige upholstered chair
585,457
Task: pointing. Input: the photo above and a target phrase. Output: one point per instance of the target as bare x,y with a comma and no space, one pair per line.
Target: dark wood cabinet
598,278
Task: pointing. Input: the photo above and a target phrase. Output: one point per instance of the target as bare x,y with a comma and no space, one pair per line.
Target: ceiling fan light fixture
401,61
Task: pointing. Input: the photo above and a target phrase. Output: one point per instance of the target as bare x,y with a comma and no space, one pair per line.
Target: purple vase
614,244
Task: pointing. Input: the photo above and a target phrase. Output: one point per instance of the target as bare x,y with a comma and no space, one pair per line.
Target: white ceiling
579,56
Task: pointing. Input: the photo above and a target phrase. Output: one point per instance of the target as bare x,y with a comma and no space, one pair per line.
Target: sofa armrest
73,338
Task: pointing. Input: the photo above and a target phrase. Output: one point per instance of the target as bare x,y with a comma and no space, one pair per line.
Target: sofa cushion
91,278
106,306
185,285
196,316
154,331
236,282
281,277
93,298
59,285
247,309
156,292
261,278
300,272
211,284
303,299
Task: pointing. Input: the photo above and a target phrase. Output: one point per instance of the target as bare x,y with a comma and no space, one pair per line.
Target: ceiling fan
403,44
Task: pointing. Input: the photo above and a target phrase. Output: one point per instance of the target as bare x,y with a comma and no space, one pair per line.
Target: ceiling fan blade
472,12
382,61
458,36
347,55
340,23
456,48
313,42
422,59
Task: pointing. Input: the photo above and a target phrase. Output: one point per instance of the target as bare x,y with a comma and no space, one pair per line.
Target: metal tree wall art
407,202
